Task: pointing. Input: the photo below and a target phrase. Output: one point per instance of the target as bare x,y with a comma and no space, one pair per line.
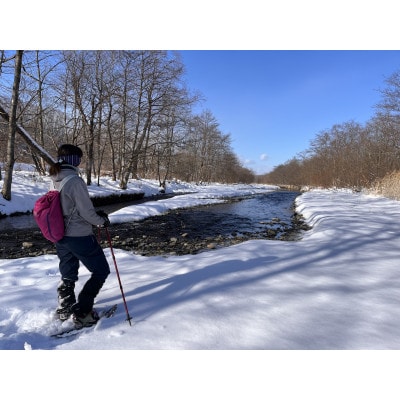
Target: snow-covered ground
336,289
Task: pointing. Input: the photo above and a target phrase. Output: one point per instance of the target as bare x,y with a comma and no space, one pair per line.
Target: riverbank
177,232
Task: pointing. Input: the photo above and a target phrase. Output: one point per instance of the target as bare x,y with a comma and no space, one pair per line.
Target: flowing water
265,216
250,214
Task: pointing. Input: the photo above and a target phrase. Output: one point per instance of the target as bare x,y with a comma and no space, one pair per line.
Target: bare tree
86,71
129,110
155,79
9,165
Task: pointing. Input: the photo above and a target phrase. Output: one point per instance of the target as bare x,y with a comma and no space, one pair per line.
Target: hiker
79,244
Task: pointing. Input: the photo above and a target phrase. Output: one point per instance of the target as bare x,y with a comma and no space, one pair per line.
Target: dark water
250,215
18,222
256,212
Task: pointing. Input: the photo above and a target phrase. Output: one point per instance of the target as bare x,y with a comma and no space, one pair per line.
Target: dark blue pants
85,249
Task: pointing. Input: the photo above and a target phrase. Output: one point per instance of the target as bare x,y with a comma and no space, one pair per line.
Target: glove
102,214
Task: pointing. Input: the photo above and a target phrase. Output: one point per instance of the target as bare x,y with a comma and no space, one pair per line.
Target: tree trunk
9,165
40,165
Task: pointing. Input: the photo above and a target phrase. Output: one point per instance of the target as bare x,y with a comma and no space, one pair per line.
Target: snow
338,288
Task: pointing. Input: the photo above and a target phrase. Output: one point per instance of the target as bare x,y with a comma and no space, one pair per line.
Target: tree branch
29,140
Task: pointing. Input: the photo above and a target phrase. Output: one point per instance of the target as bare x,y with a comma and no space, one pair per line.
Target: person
79,243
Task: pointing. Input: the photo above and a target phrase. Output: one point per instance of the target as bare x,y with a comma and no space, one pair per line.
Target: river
265,216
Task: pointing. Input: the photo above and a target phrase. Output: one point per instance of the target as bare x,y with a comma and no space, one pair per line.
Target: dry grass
389,186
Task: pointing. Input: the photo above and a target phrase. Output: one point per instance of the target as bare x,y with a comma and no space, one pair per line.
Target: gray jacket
78,209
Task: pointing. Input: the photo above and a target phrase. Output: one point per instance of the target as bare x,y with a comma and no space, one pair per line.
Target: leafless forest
132,114
350,154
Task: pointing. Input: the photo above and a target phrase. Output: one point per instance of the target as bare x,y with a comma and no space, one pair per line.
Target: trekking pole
128,317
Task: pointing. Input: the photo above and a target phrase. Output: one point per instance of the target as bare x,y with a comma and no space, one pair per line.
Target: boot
82,319
66,298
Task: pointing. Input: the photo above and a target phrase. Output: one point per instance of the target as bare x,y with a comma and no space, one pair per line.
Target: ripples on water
249,215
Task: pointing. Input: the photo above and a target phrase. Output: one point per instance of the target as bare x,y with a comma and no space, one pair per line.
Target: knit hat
72,159
70,154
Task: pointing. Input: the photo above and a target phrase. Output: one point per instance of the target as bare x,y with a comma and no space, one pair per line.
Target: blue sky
304,67
273,102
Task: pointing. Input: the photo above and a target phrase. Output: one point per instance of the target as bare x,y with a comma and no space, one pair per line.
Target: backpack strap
63,182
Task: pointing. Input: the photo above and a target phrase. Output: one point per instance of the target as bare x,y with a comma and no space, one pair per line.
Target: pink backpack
48,214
